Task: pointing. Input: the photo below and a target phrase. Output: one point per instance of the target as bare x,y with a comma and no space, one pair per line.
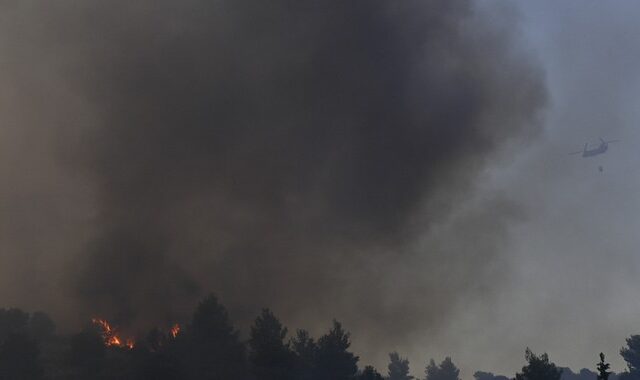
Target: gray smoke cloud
319,159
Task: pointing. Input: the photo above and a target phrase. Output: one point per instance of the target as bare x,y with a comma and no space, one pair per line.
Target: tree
12,321
631,355
154,357
87,351
333,360
19,358
448,370
398,367
583,374
270,357
445,371
41,327
538,368
369,373
603,369
304,350
211,348
431,371
479,375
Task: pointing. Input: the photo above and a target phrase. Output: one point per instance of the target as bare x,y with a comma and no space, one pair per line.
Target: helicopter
600,149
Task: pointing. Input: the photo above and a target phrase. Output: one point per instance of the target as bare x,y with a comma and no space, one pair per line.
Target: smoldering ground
319,159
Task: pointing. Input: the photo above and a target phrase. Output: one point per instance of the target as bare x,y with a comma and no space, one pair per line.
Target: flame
110,337
175,330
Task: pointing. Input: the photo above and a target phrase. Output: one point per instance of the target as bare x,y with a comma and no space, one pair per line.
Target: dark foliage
538,368
155,357
603,369
479,375
445,371
398,367
19,358
269,355
333,360
583,374
41,326
157,365
87,352
12,321
369,373
631,355
305,350
211,347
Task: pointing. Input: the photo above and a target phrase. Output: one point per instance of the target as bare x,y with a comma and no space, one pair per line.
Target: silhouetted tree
583,374
631,355
155,357
369,373
155,341
479,375
269,355
603,369
538,368
87,352
398,367
431,371
448,370
19,358
41,327
445,371
305,350
12,321
211,348
333,360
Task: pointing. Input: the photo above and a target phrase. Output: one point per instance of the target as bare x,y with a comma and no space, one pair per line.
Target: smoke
320,159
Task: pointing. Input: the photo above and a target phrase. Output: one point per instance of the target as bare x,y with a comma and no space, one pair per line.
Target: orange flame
109,335
175,330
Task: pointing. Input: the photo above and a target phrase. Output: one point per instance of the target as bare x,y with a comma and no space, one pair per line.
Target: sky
573,291
402,168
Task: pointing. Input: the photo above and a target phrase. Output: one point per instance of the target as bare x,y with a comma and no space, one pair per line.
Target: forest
208,346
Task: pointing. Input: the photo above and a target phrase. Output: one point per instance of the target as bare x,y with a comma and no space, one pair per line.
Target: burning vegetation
110,335
210,347
175,330
112,338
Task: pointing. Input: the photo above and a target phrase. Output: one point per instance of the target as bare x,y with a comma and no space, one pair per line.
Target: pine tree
398,368
538,368
334,361
603,369
432,371
445,371
369,373
305,352
270,357
211,348
631,355
448,370
19,358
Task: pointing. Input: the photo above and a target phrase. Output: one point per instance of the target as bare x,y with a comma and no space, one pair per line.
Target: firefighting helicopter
600,149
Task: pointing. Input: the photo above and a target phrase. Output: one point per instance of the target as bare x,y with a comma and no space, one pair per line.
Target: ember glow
110,336
175,330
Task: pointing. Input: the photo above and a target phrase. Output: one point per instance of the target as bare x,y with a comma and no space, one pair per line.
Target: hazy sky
402,168
573,286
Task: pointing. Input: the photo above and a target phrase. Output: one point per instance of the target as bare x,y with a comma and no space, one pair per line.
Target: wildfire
110,336
175,330
112,339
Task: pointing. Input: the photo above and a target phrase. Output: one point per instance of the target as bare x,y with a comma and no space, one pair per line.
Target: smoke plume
316,158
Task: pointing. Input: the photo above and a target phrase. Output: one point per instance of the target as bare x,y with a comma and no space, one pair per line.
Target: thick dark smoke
289,154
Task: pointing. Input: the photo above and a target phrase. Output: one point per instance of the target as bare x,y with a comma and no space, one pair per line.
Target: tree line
209,347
